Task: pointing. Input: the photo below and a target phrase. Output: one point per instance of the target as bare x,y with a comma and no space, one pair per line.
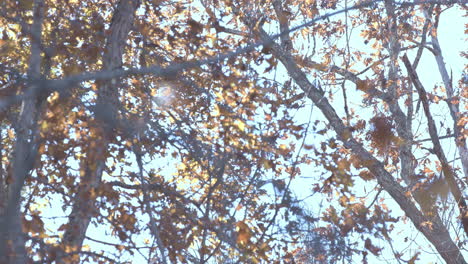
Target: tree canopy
232,131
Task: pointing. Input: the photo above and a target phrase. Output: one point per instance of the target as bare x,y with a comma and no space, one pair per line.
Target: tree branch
61,85
446,168
437,234
451,98
24,154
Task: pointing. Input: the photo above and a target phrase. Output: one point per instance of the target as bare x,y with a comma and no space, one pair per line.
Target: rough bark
106,110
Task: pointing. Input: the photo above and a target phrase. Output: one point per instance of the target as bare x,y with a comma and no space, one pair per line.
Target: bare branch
446,168
451,98
429,139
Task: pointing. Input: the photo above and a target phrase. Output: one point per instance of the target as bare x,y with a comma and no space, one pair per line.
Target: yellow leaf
215,111
41,149
44,126
53,97
182,166
243,233
16,27
11,134
239,124
219,96
267,164
427,224
283,149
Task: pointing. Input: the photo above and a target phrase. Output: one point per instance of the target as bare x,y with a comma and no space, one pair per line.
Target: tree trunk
93,164
12,239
